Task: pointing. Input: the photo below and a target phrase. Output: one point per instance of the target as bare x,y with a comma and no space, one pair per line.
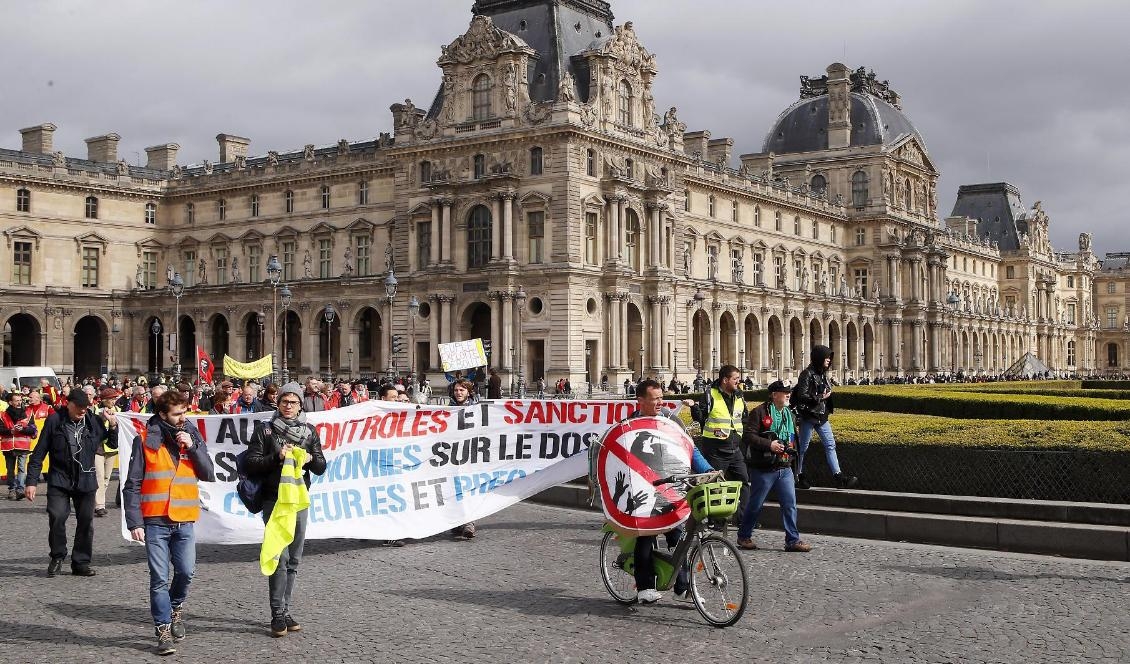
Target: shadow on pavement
118,614
17,632
988,574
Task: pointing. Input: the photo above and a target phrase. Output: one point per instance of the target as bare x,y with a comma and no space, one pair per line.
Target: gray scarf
292,431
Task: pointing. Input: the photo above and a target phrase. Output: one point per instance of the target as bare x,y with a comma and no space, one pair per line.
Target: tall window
1070,281
188,272
861,238
735,263
90,267
480,98
254,258
288,251
798,267
1071,353
759,268
625,106
23,200
819,183
151,214
629,169
590,238
325,197
734,211
480,166
363,192
363,254
686,200
1071,312
908,194
425,172
149,269
479,237
859,189
254,205
535,224
288,197
757,216
590,163
631,239
710,205
796,225
189,213
834,234
325,255
1112,355
779,271
861,281
423,243
222,209
1112,317
535,161
815,229
1111,287
777,220
91,207
21,263
221,254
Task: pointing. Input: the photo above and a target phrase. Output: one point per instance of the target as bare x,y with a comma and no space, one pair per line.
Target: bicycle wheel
620,584
719,584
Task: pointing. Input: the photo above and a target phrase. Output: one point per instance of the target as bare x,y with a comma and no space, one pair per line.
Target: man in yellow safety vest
719,412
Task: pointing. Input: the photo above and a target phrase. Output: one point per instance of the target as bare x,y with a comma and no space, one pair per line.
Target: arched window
425,171
819,183
590,163
289,197
254,205
480,166
625,103
23,200
151,214
222,209
91,207
479,237
1112,355
859,189
631,239
535,161
757,216
325,197
480,97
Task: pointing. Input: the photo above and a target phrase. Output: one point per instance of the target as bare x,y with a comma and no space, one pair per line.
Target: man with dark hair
720,413
71,437
812,400
162,504
388,392
17,428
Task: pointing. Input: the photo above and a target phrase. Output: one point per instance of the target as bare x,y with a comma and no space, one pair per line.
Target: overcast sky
1028,92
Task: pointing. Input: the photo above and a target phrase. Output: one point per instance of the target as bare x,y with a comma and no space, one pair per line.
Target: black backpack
250,489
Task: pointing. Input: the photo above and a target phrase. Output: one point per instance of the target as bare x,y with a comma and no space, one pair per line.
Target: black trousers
728,458
58,509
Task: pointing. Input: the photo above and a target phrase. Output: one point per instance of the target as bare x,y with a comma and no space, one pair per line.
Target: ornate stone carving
59,160
539,113
308,152
208,168
482,41
588,115
307,261
566,89
240,162
448,97
273,158
202,273
427,130
408,116
626,47
123,167
176,173
348,268
342,148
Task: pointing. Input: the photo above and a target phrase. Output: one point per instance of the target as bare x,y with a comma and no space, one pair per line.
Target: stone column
447,239
508,226
433,257
614,230
497,227
715,335
497,349
656,316
506,303
613,340
653,235
624,350
447,324
433,331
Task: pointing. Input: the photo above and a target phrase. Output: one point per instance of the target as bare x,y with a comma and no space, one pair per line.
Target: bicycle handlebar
690,478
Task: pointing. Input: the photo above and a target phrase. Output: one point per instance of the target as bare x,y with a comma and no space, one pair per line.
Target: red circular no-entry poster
633,454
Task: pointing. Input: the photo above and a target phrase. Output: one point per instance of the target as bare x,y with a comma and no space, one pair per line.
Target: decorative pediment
535,198
482,41
251,237
361,226
286,231
23,233
89,239
150,243
817,255
418,209
715,236
219,238
911,150
322,228
760,245
593,200
625,46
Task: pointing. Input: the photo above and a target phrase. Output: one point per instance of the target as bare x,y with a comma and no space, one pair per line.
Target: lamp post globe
285,295
330,314
390,286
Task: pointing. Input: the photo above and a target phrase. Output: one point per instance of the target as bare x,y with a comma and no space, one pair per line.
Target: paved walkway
528,589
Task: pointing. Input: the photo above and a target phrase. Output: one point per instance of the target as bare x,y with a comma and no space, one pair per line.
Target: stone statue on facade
138,278
565,89
739,271
823,282
169,273
449,97
843,286
804,274
1084,242
308,152
273,158
408,117
712,265
123,167
348,268
510,89
202,279
307,261
59,160
235,276
687,262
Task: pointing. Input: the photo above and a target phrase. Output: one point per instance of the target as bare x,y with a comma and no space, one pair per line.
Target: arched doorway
700,340
855,354
254,325
476,325
369,335
728,339
868,348
156,357
776,359
816,333
21,341
752,344
187,343
635,349
796,343
90,347
839,363
219,339
291,326
1112,356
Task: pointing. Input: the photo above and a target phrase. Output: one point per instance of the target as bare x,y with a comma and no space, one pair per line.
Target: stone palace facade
544,169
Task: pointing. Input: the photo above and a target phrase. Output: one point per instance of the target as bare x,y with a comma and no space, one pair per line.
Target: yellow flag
245,370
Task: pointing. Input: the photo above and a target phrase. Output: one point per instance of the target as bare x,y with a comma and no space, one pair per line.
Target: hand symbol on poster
635,501
621,487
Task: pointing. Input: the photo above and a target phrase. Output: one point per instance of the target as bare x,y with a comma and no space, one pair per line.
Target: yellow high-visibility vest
293,498
720,422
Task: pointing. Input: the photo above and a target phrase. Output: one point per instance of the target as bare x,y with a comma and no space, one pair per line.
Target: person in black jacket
71,437
812,401
269,445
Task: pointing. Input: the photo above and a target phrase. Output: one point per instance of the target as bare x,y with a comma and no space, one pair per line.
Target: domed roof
803,127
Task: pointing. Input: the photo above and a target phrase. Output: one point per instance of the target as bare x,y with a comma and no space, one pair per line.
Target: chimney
162,157
695,142
103,148
232,147
38,138
718,150
839,106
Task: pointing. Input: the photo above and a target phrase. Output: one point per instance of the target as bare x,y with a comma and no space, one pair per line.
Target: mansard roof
997,207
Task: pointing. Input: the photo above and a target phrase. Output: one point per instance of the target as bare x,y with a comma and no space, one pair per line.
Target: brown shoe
747,544
798,547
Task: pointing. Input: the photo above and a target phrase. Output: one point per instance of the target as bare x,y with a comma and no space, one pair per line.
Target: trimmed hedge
1106,385
979,406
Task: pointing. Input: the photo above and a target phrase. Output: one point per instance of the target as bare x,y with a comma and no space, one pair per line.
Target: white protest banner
400,471
462,355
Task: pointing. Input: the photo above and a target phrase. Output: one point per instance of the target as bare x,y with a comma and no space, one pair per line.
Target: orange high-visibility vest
169,490
15,440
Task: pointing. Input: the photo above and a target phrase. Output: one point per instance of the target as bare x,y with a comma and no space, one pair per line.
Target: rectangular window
1071,353
21,263
151,214
759,268
222,209
480,166
325,197
1110,287
289,198
364,253
423,243
779,271
535,222
221,254
590,238
735,264
834,279
832,230
1071,313
23,200
815,230
91,207
1112,317
325,255
796,225
363,192
255,205
861,282
798,268
734,211
90,267
861,237
288,251
149,269
254,257
189,213
188,272
535,161
590,163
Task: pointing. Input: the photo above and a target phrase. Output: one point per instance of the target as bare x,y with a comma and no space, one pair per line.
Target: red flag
204,364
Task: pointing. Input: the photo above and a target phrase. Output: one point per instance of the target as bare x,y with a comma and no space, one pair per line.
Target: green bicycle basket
717,500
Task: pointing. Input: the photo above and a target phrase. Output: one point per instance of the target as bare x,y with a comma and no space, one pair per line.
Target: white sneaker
649,596
683,596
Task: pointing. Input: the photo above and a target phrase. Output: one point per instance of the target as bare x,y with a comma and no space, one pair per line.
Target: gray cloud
1028,92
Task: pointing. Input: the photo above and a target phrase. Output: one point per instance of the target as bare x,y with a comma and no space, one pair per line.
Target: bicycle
719,583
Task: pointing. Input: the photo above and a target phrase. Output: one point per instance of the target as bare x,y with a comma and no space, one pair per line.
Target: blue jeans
826,437
280,585
760,483
16,464
165,543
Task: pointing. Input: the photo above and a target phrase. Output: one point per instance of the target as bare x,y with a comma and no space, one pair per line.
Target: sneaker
101,511
20,493
278,626
747,544
82,570
177,626
12,494
682,596
846,481
802,483
468,531
54,566
649,596
292,624
799,546
165,640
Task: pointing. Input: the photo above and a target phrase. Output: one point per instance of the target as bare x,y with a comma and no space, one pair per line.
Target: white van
29,376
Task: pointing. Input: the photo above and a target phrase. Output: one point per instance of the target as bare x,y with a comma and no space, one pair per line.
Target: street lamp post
641,361
155,330
330,314
261,319
713,360
114,330
176,287
520,303
675,350
274,273
390,295
286,295
588,372
413,311
881,367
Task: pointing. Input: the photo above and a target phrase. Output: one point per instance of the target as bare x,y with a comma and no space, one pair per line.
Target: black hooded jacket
810,387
